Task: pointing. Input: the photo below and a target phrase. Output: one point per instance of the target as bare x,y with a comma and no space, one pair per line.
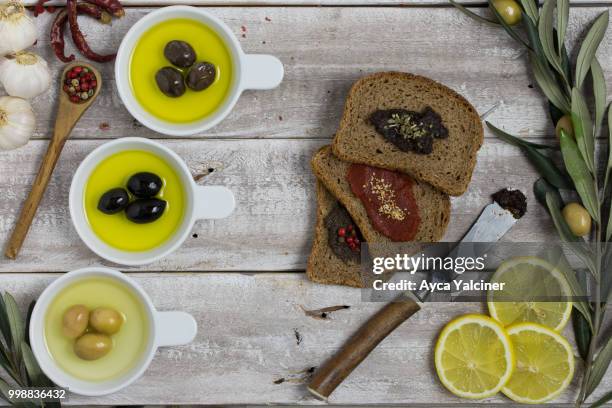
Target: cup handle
262,71
174,328
213,202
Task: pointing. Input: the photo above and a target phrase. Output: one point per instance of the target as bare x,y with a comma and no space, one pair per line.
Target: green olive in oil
148,57
128,344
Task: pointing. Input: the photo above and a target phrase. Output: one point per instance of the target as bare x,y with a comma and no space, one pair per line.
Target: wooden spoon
68,114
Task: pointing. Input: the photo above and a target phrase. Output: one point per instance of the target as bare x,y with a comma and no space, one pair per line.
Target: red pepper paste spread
388,199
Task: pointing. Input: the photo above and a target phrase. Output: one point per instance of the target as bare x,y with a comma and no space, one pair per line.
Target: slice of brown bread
449,167
324,266
434,206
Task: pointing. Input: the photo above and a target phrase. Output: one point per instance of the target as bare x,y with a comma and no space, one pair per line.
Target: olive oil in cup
117,239
143,330
236,71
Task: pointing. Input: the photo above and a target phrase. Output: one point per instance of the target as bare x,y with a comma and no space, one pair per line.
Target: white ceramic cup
201,202
165,329
250,71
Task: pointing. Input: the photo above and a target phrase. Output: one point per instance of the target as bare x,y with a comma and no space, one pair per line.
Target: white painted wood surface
247,320
248,342
323,54
272,227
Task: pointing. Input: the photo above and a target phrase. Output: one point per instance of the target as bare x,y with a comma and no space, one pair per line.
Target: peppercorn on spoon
68,114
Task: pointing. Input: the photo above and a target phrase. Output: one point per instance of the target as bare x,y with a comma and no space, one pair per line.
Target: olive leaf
473,15
530,8
549,86
546,34
578,171
15,323
603,400
517,141
562,19
600,366
582,333
599,93
589,47
37,378
583,129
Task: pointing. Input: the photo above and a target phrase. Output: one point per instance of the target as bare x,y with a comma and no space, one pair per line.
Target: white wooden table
242,278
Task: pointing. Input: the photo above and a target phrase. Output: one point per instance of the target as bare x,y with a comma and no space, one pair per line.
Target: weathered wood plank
351,3
272,227
247,343
324,53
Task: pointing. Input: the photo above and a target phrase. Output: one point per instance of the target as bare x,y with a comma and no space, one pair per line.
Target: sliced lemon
544,364
474,357
534,291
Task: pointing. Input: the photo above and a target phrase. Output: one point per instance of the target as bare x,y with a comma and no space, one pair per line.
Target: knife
493,222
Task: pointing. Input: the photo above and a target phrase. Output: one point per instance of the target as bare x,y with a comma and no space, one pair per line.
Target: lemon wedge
544,364
474,357
527,281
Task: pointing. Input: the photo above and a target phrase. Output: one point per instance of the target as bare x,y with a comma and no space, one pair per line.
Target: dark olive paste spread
511,200
409,130
388,199
344,238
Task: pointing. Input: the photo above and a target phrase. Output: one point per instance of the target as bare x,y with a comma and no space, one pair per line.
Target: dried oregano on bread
448,167
434,206
324,266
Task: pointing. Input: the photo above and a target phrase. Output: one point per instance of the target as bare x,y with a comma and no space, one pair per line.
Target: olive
565,124
145,210
105,320
92,346
74,322
113,201
577,218
180,53
170,82
144,185
201,76
509,10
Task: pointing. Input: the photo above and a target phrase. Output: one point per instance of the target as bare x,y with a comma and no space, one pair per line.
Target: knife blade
492,223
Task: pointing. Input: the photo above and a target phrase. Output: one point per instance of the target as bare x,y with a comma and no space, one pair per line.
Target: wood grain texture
272,227
323,54
401,3
255,344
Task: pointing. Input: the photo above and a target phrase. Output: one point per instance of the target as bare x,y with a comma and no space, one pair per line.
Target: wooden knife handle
335,370
36,194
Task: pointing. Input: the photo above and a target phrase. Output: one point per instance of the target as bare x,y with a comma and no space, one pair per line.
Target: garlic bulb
17,30
17,122
24,75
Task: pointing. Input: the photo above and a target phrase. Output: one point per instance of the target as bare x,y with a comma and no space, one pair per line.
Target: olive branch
16,357
579,115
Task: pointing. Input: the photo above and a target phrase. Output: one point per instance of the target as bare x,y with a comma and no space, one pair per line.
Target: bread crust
449,167
324,266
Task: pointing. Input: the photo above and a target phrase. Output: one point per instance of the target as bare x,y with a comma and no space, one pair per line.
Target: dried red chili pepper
79,38
113,6
57,29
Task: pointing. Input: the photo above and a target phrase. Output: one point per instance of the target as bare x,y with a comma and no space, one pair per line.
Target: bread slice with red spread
324,266
433,205
452,154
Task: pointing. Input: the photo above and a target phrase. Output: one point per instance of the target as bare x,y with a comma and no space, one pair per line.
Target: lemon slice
527,281
474,357
544,364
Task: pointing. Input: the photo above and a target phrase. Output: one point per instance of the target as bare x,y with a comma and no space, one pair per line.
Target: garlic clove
24,75
17,122
17,29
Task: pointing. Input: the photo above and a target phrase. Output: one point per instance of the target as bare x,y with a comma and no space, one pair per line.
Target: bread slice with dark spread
433,205
324,266
451,162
